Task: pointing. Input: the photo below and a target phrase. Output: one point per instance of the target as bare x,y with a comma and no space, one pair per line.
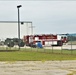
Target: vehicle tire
10,44
21,44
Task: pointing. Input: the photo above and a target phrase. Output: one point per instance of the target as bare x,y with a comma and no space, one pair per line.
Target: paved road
50,47
62,47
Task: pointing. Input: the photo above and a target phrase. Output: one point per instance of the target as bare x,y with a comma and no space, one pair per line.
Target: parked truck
45,39
10,42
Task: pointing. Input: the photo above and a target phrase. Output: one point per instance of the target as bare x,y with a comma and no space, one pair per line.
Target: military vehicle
10,42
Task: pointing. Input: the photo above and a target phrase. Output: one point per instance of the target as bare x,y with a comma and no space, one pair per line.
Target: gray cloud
47,16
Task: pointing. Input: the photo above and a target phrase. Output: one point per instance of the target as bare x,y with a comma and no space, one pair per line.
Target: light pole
19,24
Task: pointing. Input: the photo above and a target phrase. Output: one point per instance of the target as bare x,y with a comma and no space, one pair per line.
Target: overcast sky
47,16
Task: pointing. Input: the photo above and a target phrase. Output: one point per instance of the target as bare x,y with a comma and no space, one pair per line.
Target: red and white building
45,39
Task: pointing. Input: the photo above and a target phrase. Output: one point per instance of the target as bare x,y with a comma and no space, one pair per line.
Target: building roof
15,21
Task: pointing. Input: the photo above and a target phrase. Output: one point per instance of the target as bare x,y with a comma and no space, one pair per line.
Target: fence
66,48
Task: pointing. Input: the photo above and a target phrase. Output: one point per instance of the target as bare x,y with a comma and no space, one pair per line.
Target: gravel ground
38,67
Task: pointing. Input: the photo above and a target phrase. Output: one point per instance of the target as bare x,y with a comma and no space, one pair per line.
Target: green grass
34,56
51,51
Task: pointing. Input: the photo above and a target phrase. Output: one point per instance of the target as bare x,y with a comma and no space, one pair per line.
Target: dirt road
38,68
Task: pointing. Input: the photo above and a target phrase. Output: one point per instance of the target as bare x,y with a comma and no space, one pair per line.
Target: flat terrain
62,47
35,56
65,46
38,67
33,61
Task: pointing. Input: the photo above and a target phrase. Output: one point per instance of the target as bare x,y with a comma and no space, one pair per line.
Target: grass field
32,55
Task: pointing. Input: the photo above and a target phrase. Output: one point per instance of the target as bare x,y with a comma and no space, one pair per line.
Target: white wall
11,30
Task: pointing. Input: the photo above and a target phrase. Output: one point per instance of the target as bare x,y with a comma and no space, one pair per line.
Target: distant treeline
71,38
